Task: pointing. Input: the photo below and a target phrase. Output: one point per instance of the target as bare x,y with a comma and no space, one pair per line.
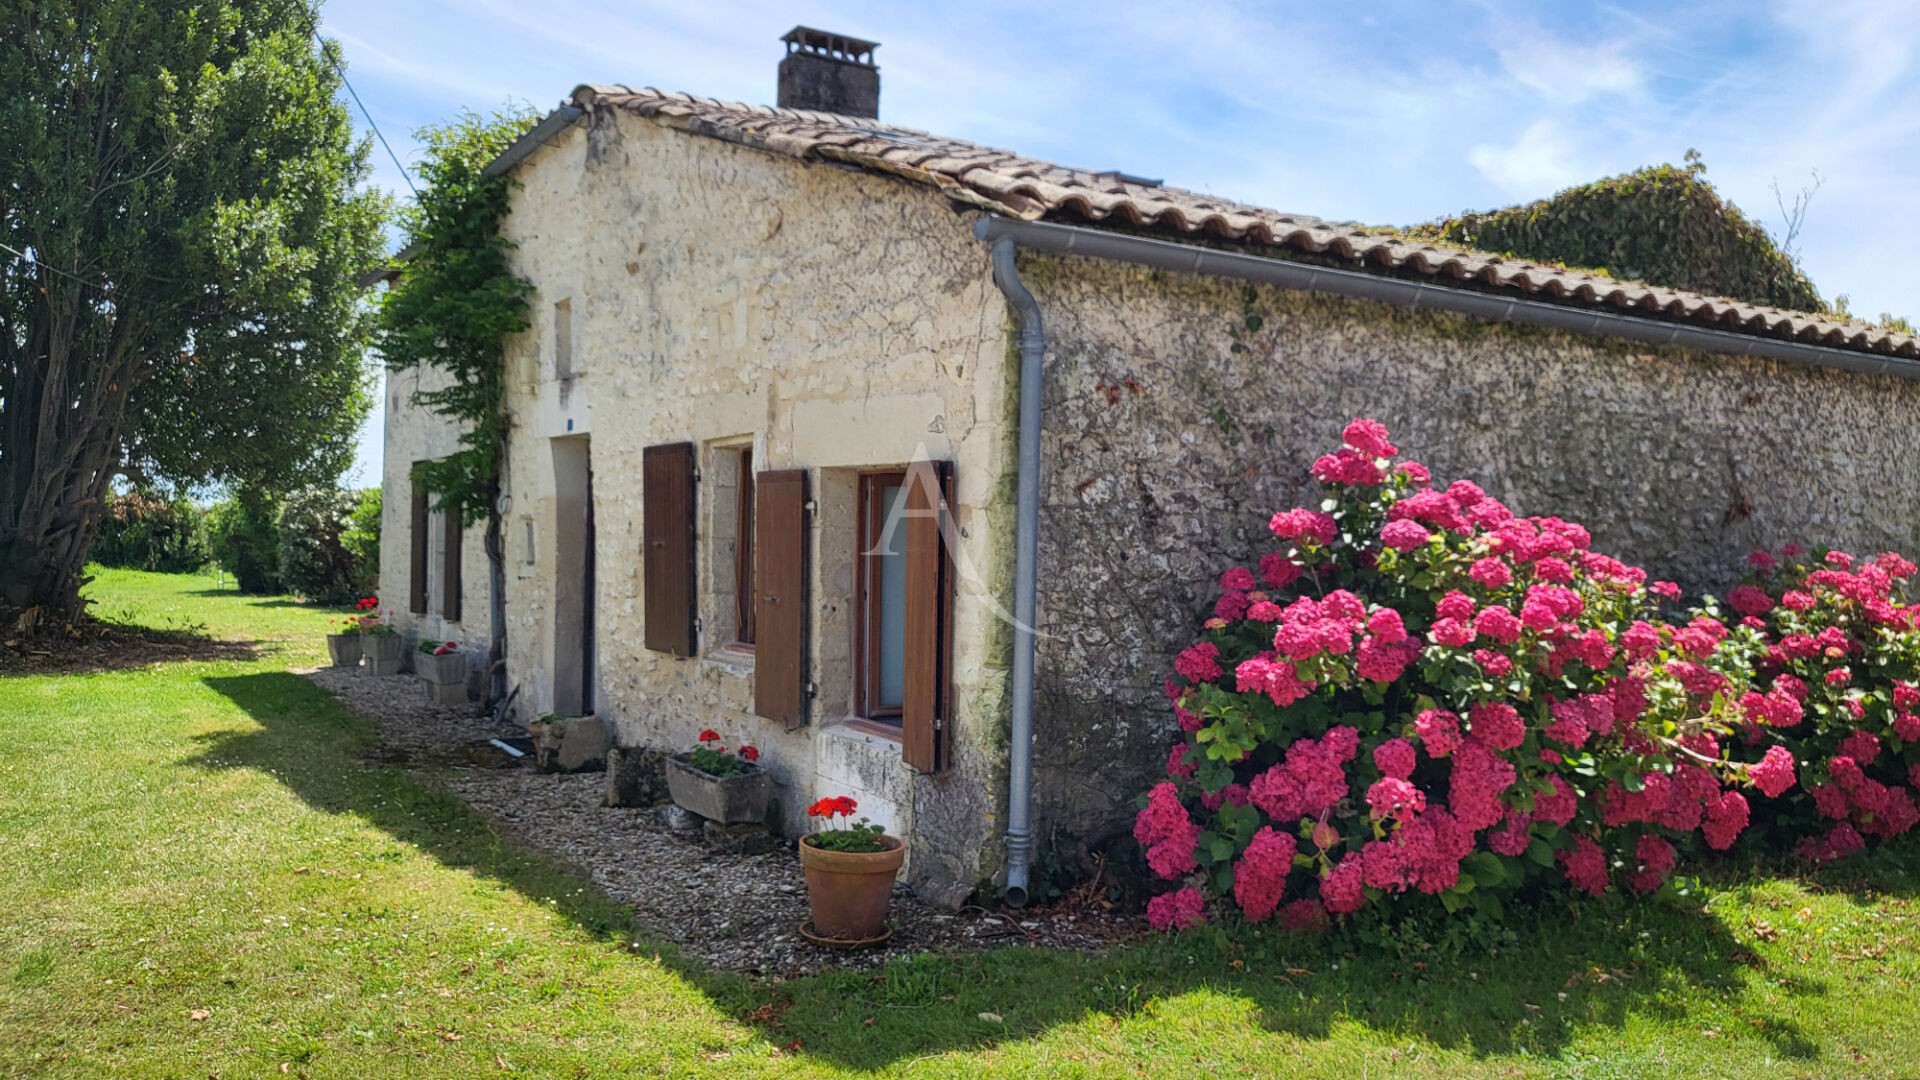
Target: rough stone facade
417,434
690,289
694,290
1181,412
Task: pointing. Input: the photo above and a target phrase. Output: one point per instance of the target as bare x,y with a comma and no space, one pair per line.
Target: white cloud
1567,72
1538,163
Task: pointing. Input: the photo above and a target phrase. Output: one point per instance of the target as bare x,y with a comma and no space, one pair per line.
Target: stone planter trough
386,653
344,649
741,798
446,676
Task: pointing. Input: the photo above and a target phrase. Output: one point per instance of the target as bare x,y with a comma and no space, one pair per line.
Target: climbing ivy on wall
457,300
1664,225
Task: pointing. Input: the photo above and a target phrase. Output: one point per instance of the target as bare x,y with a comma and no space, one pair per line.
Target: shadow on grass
90,645
1566,969
263,600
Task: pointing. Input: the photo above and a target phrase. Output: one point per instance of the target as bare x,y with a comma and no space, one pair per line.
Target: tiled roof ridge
1008,183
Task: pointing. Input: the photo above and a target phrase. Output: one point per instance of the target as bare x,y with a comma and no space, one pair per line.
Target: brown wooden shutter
666,533
417,566
780,612
453,528
926,684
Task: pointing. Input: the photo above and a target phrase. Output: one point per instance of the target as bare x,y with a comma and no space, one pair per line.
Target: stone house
819,415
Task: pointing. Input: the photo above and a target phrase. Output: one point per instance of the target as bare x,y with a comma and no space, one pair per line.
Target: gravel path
736,912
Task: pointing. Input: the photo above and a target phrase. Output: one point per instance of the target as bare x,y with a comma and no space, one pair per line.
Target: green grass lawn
199,877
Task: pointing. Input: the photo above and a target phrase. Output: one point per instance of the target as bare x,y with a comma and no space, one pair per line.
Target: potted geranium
381,644
343,645
850,871
720,784
444,668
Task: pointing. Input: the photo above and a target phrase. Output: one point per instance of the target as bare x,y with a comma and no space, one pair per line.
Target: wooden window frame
743,581
868,605
418,557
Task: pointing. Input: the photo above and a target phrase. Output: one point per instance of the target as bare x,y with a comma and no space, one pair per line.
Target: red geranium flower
709,735
750,753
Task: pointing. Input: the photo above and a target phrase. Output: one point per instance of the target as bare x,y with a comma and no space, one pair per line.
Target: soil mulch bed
735,912
89,644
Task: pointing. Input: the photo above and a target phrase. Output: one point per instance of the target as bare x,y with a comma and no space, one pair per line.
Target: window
883,596
743,551
418,538
563,339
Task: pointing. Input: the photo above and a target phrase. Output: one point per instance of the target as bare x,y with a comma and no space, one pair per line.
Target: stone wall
824,318
1167,449
416,434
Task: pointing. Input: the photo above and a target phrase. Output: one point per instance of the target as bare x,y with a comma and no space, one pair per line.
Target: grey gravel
738,912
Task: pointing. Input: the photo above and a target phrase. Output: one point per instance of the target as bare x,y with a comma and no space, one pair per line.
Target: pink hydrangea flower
1395,758
1439,732
1497,724
1178,766
1260,876
1304,916
1727,816
1369,437
1341,890
1176,910
1404,535
1749,600
1168,834
1238,578
1490,573
1306,526
1497,624
1586,866
1199,663
1390,797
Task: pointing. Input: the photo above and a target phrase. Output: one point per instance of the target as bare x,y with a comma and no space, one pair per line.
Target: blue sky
1385,113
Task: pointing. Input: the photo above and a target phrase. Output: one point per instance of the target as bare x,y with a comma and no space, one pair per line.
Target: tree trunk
66,395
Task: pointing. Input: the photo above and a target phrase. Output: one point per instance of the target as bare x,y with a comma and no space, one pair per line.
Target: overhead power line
48,267
404,174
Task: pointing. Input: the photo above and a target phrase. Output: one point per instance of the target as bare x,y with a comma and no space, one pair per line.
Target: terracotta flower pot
344,649
851,890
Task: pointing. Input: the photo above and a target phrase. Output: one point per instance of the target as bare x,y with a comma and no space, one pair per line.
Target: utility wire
31,261
408,177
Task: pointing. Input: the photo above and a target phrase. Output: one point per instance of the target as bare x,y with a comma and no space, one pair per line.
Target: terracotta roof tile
1008,183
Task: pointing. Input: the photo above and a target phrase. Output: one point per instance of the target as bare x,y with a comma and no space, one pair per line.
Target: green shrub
362,540
142,530
243,533
1663,225
315,561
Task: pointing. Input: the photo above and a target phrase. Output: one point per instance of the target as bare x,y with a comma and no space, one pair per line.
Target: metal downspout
1026,553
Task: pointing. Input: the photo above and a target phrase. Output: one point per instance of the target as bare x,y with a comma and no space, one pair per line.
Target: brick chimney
829,73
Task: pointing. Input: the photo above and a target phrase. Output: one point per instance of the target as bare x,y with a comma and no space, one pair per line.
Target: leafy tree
179,188
146,530
458,300
362,540
1664,225
244,535
452,309
315,561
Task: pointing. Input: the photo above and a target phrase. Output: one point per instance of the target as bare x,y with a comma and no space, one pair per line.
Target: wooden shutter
453,528
926,685
666,533
417,566
780,612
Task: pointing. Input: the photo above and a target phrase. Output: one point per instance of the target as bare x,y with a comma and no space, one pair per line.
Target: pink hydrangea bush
1418,697
1830,728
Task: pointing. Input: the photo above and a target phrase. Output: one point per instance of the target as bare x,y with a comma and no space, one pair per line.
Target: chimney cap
834,46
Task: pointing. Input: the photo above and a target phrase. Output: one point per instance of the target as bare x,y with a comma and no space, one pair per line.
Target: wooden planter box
742,798
386,653
344,649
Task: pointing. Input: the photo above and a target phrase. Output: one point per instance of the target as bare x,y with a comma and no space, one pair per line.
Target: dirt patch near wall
735,912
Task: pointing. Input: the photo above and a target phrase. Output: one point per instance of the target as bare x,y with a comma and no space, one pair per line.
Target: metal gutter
1026,558
1185,258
